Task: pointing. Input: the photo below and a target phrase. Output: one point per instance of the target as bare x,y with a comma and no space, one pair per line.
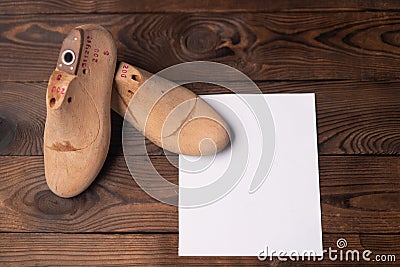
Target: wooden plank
353,117
113,203
156,249
358,195
128,6
276,46
22,117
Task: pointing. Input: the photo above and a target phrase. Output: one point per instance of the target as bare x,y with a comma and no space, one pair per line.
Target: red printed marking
59,77
86,53
124,71
58,89
95,55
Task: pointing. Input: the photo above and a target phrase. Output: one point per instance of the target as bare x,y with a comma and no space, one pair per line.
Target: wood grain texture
276,46
156,250
113,203
345,51
128,6
361,118
358,195
22,117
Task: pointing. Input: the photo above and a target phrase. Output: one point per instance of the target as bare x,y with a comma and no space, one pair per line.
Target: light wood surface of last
171,116
78,126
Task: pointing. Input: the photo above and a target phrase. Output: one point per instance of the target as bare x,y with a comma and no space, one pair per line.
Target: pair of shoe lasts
81,91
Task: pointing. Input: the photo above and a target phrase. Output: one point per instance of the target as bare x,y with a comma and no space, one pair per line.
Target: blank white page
284,213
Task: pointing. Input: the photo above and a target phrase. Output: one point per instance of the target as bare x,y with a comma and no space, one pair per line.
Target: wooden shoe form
77,129
176,119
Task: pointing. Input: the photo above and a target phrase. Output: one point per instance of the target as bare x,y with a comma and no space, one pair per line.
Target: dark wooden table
345,51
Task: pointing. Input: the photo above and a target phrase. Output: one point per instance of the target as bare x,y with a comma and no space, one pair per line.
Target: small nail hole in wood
52,102
136,78
84,71
69,99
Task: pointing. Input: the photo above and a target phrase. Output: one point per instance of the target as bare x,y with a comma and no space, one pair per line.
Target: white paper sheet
284,213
